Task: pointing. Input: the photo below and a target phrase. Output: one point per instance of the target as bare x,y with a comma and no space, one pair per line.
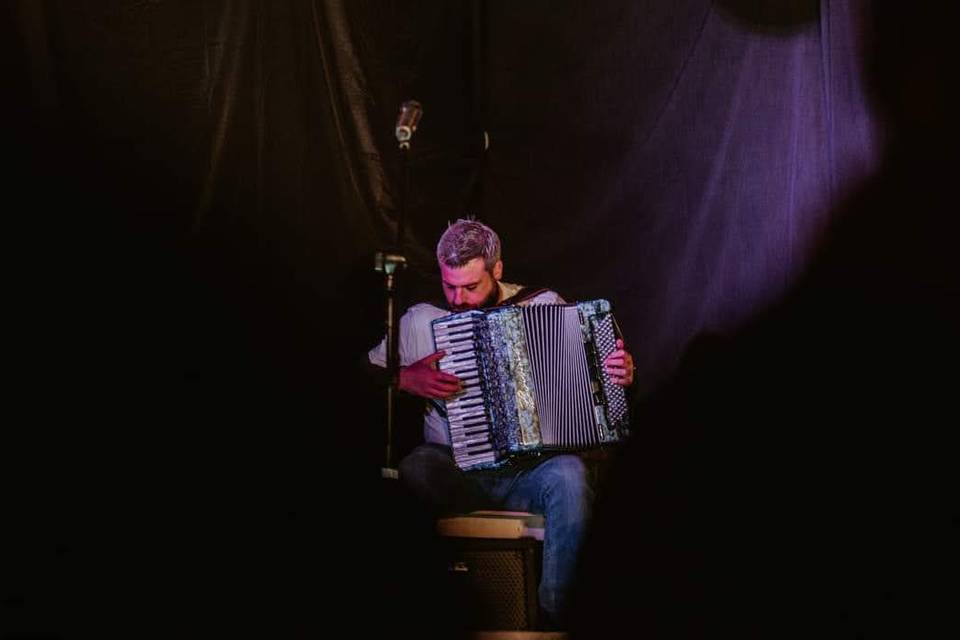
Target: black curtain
678,159
197,191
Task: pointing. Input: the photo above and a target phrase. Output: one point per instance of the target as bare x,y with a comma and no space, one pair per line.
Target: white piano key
469,441
466,394
457,405
470,423
463,414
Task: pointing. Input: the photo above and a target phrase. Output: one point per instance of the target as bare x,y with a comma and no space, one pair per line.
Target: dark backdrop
196,192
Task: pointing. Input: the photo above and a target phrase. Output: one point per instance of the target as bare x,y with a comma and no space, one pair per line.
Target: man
471,269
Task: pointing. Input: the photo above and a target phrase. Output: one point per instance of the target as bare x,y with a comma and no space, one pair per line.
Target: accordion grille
561,376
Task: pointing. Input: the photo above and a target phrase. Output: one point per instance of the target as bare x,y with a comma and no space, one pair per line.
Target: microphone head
410,112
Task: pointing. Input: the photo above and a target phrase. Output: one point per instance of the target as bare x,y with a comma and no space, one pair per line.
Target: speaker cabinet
494,581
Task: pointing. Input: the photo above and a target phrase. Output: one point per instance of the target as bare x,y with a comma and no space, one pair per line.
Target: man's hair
465,240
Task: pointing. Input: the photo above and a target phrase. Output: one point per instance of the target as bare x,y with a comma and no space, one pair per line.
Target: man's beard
489,301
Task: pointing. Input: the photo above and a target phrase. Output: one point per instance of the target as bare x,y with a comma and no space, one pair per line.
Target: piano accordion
533,381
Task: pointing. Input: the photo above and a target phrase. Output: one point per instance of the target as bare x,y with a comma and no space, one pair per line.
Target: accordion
533,381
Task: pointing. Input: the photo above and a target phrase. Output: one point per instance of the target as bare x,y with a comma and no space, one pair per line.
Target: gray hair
465,240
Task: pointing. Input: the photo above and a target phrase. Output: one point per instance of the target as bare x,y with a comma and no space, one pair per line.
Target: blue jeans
557,488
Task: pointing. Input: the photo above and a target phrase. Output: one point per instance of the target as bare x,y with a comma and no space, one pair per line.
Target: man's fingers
447,378
445,391
448,382
433,357
441,393
623,381
619,365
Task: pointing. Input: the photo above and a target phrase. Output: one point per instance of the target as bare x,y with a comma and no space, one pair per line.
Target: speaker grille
494,582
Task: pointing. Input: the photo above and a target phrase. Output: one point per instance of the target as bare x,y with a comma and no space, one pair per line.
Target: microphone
410,112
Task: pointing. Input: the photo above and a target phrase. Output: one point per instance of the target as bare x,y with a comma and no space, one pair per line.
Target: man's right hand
423,379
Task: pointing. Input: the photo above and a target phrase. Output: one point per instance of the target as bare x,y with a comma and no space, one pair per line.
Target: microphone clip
410,114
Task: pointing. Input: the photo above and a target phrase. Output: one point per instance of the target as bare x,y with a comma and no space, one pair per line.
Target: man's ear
498,270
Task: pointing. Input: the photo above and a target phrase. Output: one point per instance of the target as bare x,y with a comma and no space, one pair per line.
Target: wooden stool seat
492,524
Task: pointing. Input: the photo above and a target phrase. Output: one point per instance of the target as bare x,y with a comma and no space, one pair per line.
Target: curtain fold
680,160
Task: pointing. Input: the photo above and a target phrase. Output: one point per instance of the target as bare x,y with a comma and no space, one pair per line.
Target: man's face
471,286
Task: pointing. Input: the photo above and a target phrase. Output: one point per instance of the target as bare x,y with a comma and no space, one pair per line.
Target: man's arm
423,379
420,378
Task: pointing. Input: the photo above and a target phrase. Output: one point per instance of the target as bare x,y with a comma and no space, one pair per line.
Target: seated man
555,486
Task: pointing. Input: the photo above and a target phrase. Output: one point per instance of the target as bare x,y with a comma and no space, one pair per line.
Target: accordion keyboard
466,413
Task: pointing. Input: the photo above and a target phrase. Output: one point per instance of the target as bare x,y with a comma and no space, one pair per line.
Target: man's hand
423,379
619,366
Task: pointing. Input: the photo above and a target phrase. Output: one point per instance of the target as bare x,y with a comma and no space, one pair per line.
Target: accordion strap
523,295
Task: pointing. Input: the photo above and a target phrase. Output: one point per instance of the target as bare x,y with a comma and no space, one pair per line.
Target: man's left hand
619,366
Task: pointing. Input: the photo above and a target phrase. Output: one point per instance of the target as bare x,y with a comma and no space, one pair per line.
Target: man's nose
458,296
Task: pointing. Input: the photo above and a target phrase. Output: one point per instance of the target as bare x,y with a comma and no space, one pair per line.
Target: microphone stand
390,263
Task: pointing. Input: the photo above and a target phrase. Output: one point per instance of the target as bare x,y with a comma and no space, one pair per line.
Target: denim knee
419,464
566,472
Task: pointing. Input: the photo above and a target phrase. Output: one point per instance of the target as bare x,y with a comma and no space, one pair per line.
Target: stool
493,567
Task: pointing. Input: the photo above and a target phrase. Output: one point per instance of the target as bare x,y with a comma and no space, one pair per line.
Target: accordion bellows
533,381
